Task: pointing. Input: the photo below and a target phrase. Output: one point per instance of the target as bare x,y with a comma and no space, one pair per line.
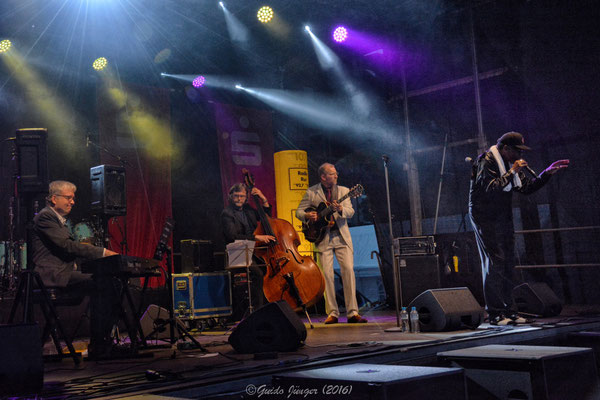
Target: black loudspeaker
526,372
374,381
459,262
448,310
21,365
156,318
536,298
273,327
197,256
109,196
32,155
417,274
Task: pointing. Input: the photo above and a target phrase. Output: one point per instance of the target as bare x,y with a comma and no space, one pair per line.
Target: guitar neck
329,209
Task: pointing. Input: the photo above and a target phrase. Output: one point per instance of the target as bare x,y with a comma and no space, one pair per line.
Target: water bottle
414,320
404,318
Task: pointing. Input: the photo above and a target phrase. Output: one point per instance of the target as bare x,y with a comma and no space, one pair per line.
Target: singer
495,175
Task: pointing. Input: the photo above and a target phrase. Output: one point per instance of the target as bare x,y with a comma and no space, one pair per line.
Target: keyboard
120,265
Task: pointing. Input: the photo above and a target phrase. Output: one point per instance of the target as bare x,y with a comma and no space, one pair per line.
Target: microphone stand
397,285
121,160
439,193
162,249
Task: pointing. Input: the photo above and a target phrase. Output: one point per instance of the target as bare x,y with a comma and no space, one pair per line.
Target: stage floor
221,372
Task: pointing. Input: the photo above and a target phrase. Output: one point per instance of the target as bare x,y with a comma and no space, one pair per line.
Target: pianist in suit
55,253
54,250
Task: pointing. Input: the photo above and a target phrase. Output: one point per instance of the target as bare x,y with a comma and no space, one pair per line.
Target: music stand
161,249
239,255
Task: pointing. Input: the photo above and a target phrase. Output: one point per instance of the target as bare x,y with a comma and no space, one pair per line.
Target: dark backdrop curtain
134,123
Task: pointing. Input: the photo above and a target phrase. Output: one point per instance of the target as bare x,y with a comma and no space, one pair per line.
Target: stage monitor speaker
448,310
21,365
526,372
417,274
197,256
109,196
373,381
32,156
273,327
155,318
536,298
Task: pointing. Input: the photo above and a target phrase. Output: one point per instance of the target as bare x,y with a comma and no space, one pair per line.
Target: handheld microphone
531,171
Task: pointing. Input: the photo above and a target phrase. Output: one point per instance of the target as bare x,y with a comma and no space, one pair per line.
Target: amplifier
197,296
197,256
417,274
414,246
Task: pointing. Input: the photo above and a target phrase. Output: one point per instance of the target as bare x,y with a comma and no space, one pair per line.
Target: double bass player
239,220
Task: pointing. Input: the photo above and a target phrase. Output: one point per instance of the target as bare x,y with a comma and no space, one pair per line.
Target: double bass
290,276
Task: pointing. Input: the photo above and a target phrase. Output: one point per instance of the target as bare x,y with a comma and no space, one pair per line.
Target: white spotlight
238,86
221,4
307,28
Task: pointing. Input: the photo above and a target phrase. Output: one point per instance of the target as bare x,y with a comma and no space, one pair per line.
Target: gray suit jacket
55,251
314,196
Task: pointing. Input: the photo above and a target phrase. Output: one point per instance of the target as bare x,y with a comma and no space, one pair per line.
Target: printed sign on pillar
245,140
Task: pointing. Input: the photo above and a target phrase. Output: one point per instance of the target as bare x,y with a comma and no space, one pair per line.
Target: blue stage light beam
326,113
238,32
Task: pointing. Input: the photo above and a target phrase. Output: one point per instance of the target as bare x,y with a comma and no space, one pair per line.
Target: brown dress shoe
356,319
331,320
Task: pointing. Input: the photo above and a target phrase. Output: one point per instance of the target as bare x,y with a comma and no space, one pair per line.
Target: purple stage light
340,34
198,82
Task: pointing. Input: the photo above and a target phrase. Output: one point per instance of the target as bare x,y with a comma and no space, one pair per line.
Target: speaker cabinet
154,323
448,310
526,372
536,298
32,155
197,256
373,381
109,196
273,327
21,366
459,262
417,274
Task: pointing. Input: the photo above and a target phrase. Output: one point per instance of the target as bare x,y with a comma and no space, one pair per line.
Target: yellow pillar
291,181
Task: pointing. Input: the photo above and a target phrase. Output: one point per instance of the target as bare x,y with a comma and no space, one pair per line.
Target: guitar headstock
248,179
356,191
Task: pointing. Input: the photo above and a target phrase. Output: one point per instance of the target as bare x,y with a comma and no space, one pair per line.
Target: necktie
328,195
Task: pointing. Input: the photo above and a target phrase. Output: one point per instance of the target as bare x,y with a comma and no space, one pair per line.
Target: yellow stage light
100,64
265,14
5,45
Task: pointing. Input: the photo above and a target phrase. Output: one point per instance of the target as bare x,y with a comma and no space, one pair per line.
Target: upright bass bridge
277,264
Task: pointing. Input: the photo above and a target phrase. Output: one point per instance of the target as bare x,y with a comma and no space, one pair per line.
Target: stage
220,372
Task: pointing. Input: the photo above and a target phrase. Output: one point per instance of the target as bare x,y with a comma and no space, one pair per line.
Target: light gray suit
338,243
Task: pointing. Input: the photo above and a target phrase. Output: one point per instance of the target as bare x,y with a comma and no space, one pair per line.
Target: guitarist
337,241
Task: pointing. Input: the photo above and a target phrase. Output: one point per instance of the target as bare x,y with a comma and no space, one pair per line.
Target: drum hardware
13,254
13,258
